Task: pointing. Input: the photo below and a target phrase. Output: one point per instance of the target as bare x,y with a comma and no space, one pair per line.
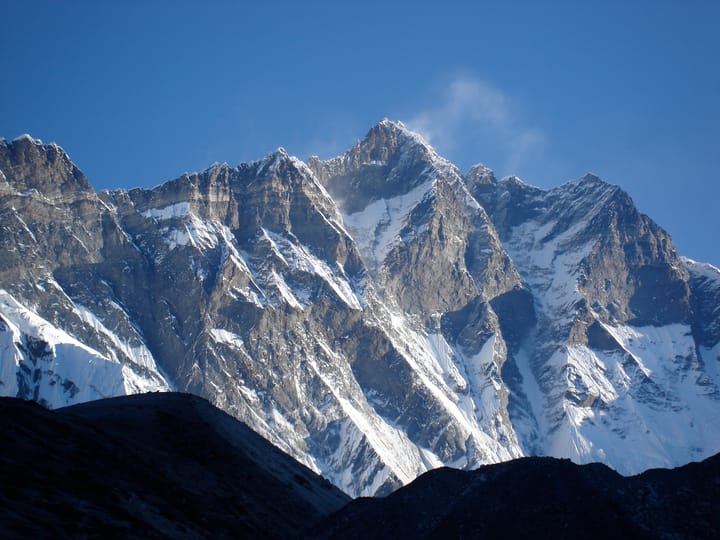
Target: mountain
540,498
376,315
160,465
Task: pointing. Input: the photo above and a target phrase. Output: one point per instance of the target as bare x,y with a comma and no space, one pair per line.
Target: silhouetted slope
173,466
149,466
538,498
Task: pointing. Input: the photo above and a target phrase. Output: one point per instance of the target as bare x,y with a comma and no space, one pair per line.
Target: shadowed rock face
538,498
705,302
375,315
150,466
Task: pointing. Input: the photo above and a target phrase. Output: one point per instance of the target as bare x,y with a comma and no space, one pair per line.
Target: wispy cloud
473,115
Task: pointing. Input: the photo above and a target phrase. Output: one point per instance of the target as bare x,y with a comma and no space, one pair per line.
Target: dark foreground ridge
170,465
541,498
157,465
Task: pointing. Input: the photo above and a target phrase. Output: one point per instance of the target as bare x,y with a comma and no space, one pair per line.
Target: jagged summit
590,177
514,181
273,160
589,186
392,124
398,128
479,174
29,164
589,182
278,153
391,161
386,139
25,137
385,142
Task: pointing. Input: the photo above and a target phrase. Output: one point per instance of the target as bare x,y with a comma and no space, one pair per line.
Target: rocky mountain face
376,315
616,366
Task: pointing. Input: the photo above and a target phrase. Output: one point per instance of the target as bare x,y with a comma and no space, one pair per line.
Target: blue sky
139,92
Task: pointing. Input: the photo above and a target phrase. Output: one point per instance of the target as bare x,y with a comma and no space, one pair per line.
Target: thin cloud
473,115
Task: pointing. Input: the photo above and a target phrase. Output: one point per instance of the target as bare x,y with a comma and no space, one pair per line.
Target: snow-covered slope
41,362
375,315
612,371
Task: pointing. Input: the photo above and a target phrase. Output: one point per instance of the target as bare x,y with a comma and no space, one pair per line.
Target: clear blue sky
139,92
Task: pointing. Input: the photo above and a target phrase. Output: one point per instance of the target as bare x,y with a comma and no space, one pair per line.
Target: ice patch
31,324
173,211
24,225
376,229
228,338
